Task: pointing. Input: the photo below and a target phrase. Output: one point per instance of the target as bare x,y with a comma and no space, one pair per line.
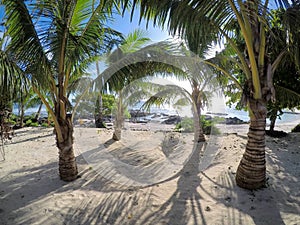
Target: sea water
225,111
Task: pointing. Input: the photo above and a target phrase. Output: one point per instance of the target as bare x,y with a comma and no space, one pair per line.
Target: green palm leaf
288,97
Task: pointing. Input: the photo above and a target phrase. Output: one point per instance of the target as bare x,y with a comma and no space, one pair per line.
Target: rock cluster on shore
137,116
234,120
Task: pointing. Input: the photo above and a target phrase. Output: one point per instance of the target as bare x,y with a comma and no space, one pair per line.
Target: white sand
147,178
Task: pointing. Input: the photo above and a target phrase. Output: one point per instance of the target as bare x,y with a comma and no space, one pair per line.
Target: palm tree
286,77
99,122
194,19
202,89
133,60
11,79
202,82
25,99
132,42
286,81
49,40
165,58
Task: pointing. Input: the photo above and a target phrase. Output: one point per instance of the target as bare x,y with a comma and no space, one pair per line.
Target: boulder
234,120
296,128
276,133
172,120
138,113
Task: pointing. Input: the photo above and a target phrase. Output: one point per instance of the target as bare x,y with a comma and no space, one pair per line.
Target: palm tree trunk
99,112
117,134
67,162
199,135
119,119
38,113
275,108
22,113
197,104
118,124
272,124
251,172
21,110
99,104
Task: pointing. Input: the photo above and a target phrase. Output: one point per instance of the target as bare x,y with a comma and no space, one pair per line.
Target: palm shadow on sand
240,206
40,197
173,211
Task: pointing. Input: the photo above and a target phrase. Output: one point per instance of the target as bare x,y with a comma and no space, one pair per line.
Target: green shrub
12,122
186,125
28,122
208,126
34,124
14,117
127,114
44,125
28,118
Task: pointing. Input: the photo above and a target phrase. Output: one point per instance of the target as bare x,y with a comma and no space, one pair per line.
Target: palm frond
135,41
11,78
287,98
163,58
167,94
25,42
79,85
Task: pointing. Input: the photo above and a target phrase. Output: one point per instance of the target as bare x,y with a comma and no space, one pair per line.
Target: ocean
223,111
287,117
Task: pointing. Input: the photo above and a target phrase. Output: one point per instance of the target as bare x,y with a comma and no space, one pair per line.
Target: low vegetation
208,125
29,121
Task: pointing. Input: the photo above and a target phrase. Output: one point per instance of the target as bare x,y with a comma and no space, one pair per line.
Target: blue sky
125,26
1,15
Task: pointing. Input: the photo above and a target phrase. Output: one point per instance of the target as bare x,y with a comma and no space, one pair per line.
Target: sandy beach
150,177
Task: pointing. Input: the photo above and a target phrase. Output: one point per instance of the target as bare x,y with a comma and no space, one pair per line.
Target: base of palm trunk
67,166
99,123
250,179
117,135
251,172
200,138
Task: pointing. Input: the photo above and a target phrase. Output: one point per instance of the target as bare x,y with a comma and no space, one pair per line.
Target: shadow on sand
37,196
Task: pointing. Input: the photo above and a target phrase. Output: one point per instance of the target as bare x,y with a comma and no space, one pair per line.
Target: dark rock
155,115
228,199
296,128
17,126
276,133
43,120
217,114
138,113
234,120
207,208
207,117
172,120
139,121
107,119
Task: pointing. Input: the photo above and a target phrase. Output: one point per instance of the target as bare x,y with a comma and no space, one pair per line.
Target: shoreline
239,115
